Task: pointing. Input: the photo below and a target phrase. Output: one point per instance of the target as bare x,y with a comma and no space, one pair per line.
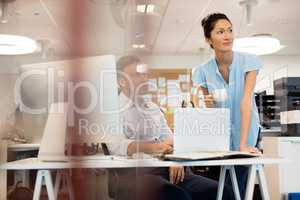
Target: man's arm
149,147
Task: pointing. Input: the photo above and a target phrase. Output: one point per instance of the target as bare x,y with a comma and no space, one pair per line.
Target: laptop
201,134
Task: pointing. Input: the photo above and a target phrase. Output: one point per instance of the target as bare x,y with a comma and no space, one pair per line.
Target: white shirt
140,123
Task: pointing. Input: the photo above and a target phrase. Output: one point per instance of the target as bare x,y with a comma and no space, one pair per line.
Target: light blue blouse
207,75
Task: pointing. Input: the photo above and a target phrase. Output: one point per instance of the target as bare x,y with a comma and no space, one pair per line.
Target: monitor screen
88,85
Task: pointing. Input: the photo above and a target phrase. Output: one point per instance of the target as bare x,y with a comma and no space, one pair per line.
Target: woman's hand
249,149
209,101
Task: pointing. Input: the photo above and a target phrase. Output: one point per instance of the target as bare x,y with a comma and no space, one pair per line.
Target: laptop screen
201,129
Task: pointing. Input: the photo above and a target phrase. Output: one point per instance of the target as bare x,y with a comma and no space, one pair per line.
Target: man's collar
124,101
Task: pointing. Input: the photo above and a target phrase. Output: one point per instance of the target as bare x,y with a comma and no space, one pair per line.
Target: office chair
113,177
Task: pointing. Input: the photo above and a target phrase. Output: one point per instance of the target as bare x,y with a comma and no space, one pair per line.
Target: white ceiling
176,29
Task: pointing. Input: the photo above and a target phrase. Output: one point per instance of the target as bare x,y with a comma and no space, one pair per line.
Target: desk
6,147
255,168
23,147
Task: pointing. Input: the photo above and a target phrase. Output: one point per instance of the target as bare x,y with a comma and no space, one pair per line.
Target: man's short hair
127,60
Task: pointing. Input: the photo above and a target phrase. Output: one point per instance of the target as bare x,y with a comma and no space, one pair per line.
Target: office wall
8,75
276,67
273,66
7,105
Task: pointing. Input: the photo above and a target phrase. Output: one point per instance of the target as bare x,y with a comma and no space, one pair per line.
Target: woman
235,73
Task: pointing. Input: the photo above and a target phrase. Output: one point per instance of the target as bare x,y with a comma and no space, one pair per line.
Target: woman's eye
230,30
220,32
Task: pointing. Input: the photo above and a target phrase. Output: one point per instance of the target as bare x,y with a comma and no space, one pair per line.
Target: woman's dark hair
209,22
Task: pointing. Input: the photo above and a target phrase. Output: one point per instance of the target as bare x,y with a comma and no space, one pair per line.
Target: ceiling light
16,45
261,44
141,8
145,8
150,8
4,10
249,5
138,46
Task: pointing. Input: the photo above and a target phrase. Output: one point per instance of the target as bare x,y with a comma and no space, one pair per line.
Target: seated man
146,131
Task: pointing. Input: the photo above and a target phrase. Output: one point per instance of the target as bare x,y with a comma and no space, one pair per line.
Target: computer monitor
92,98
53,143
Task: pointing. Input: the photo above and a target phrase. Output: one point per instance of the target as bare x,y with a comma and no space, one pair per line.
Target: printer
287,91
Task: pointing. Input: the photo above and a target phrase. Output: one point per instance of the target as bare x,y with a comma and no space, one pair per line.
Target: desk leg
69,185
253,170
233,181
64,177
250,182
262,183
57,182
43,175
221,182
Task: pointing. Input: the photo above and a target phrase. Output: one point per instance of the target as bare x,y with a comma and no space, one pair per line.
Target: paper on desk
162,90
152,83
173,101
173,87
147,97
161,82
173,93
185,86
162,100
184,77
185,96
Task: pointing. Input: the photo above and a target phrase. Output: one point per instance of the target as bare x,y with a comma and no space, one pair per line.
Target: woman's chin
226,50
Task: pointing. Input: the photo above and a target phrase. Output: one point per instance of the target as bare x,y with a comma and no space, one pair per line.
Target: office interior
168,37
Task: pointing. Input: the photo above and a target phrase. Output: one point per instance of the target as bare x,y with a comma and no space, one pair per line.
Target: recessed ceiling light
150,8
16,45
141,8
4,7
145,8
138,46
260,44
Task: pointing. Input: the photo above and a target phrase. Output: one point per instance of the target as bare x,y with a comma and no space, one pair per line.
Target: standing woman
235,74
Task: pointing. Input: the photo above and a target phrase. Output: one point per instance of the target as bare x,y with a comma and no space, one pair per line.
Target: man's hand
176,174
169,141
149,148
162,147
